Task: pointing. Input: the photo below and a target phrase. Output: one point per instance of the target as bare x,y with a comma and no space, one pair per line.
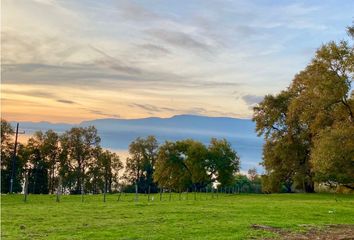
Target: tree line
181,165
75,162
308,128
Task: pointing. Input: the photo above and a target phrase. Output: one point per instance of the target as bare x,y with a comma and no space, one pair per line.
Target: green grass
228,217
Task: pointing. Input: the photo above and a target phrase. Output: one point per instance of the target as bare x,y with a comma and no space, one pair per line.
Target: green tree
7,157
171,171
322,96
47,150
318,98
332,157
190,164
242,183
194,156
78,147
51,152
140,164
223,161
104,171
181,165
7,133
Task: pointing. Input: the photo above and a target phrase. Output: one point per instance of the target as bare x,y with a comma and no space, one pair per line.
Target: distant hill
117,134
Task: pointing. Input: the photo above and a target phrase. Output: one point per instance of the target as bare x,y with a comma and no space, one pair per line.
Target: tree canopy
301,121
190,164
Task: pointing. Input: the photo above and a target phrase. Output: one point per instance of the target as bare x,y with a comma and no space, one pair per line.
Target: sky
69,61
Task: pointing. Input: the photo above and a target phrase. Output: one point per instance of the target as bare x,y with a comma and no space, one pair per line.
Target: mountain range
117,134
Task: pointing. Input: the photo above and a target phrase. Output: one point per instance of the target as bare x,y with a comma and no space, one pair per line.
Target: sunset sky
68,61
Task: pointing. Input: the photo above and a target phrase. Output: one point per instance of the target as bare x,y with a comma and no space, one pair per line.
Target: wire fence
162,196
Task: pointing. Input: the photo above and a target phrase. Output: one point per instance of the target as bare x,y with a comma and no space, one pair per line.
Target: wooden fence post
136,192
25,191
149,194
59,190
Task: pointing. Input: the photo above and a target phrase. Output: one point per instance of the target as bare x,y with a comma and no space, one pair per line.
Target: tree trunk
309,186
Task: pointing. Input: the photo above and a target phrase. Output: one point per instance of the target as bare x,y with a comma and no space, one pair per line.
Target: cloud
207,112
104,74
154,48
180,39
98,112
135,12
152,108
252,99
31,93
66,101
114,63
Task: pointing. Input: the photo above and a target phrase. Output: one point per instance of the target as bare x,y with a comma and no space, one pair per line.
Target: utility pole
14,159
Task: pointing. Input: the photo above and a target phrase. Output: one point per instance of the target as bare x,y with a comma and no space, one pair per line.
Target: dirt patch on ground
327,232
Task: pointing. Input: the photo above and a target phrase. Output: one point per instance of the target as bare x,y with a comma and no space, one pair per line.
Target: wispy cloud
66,101
152,108
180,39
101,113
135,12
155,49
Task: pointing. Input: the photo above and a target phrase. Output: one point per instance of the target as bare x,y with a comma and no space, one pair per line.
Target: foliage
248,184
171,171
43,156
140,164
7,158
104,172
73,159
223,161
190,164
78,146
333,155
292,121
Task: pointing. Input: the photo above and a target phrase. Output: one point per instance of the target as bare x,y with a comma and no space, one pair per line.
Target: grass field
227,217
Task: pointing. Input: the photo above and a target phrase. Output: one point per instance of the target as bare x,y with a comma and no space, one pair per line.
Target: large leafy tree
44,147
194,159
104,171
171,170
78,147
140,164
284,152
181,165
293,121
37,170
223,161
190,164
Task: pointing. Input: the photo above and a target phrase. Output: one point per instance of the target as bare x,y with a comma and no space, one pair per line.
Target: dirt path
328,232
